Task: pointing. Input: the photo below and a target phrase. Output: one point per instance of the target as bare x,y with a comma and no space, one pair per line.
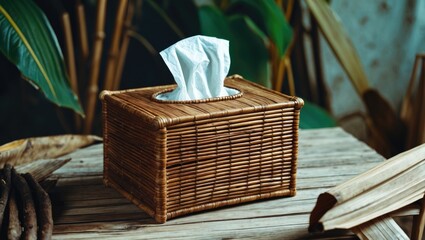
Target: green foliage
251,27
312,116
29,42
247,49
268,17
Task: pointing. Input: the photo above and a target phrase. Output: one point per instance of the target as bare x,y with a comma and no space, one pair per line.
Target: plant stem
124,46
69,49
82,31
93,88
113,51
70,60
290,75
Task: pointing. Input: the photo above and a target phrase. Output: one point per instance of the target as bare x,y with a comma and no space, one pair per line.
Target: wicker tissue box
175,158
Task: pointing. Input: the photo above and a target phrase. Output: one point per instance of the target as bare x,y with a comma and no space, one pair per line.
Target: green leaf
248,50
28,41
312,116
340,43
214,23
268,17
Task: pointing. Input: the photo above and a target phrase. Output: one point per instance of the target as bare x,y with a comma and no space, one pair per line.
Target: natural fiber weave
174,158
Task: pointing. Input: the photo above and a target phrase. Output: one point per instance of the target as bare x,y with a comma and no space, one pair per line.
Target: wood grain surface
84,209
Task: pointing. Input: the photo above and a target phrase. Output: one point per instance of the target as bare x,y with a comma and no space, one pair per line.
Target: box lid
254,98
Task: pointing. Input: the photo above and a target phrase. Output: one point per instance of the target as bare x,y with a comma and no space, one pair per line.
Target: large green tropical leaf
214,23
248,50
268,17
312,116
251,56
29,42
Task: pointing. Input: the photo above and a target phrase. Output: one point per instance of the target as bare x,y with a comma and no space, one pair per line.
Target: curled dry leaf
43,208
26,206
14,230
30,149
5,183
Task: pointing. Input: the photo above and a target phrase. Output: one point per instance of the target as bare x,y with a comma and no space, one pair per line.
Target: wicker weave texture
172,159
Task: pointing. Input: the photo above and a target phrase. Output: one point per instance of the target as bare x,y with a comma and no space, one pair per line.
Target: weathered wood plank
264,228
85,209
275,207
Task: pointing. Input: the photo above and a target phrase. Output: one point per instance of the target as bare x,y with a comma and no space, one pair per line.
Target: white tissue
199,65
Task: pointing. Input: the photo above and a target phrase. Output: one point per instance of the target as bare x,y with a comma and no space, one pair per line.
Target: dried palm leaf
30,149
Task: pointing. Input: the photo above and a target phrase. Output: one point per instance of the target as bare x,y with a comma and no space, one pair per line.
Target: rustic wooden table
85,209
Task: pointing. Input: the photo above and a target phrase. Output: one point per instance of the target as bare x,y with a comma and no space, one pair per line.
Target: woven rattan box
172,159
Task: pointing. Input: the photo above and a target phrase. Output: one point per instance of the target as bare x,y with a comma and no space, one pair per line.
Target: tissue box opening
175,159
163,96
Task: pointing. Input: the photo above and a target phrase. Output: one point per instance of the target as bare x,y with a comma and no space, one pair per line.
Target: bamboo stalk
298,57
70,59
124,47
280,75
289,9
113,51
283,65
69,49
82,31
290,75
84,50
93,89
322,91
275,62
121,62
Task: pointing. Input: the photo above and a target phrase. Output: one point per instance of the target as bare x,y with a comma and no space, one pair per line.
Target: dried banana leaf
386,122
340,43
412,110
40,170
31,149
384,118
